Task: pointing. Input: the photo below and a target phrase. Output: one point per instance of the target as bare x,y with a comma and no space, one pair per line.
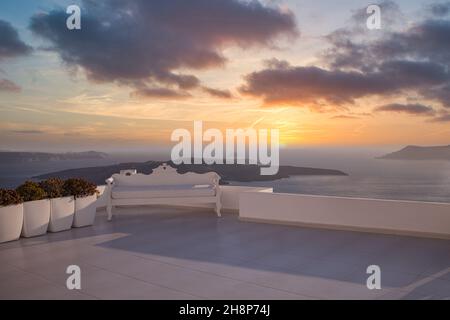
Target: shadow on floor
200,237
337,255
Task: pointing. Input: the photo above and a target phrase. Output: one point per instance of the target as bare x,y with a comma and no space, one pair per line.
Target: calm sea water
11,175
368,177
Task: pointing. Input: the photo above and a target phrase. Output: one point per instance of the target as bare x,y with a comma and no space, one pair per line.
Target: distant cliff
243,173
420,153
20,157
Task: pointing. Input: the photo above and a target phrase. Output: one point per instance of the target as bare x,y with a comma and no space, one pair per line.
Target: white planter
11,220
61,214
36,216
85,209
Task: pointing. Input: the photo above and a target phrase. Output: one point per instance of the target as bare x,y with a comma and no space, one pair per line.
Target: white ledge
425,219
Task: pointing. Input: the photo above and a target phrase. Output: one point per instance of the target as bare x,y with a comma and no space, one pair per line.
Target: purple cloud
10,43
414,109
9,86
358,64
163,93
223,94
147,43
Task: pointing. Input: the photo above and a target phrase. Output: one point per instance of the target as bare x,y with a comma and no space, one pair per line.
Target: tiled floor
168,253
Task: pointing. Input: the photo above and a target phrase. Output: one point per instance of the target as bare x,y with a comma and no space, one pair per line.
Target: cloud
439,93
28,131
223,94
443,118
428,39
10,47
359,63
164,93
147,43
345,117
348,45
439,9
421,51
9,86
309,85
10,43
414,109
297,85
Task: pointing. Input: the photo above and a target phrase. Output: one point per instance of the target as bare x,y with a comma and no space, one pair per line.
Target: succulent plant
31,191
79,188
53,187
9,198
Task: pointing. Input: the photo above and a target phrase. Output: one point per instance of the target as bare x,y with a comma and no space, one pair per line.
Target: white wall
401,217
231,194
101,201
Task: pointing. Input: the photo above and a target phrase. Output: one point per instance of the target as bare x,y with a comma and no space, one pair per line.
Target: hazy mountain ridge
242,173
420,153
14,157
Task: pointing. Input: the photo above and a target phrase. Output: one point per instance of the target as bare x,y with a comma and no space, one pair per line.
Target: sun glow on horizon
252,78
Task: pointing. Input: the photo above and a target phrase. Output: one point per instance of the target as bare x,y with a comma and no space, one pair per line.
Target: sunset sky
139,69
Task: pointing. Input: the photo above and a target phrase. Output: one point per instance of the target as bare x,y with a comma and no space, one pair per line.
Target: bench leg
109,211
218,207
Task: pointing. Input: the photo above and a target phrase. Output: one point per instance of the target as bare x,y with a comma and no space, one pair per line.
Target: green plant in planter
53,187
9,198
79,188
31,191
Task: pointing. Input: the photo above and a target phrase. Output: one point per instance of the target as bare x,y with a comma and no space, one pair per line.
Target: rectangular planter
62,211
36,216
11,221
85,210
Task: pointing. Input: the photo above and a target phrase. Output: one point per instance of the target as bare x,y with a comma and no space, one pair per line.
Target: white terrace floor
168,253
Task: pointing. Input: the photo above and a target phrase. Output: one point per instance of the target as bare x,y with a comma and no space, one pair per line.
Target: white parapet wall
416,218
101,201
231,195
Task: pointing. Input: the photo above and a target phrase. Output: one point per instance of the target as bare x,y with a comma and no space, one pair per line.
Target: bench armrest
109,181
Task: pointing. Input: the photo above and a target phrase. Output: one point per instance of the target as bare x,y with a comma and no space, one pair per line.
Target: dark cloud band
358,65
415,109
10,43
149,41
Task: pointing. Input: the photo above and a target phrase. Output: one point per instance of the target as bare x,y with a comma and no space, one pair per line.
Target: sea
368,176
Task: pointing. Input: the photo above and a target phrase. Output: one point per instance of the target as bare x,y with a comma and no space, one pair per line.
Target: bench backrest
166,175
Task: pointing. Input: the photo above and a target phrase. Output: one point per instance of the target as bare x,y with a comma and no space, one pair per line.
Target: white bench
163,186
